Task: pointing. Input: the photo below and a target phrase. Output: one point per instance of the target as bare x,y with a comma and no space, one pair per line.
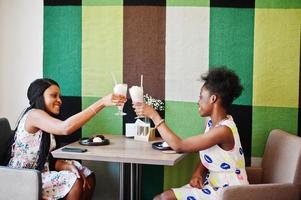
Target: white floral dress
55,185
225,168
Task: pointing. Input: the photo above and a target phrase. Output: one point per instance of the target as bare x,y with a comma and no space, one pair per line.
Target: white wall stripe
187,51
21,53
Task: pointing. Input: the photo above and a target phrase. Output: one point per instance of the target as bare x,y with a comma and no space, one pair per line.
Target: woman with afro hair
222,161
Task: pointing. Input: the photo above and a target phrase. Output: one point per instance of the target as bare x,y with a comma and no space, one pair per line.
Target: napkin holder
130,130
145,133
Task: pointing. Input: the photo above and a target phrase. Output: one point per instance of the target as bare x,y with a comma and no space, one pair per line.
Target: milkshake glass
120,89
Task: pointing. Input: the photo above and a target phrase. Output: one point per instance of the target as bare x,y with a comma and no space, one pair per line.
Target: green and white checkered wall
172,43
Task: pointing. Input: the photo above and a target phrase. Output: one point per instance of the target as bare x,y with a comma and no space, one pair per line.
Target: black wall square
70,106
129,110
242,116
144,3
62,2
233,3
152,181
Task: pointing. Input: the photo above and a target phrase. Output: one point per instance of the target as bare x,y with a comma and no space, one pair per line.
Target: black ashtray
159,146
88,141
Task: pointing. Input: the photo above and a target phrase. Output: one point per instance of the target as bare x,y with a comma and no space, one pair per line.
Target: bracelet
93,111
159,123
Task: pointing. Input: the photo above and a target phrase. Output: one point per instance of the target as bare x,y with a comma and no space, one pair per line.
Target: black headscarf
35,95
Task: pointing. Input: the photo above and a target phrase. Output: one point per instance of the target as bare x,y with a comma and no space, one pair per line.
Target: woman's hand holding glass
144,110
108,100
120,91
118,100
113,100
136,94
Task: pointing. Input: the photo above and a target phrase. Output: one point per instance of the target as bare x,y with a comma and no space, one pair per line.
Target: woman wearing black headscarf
34,140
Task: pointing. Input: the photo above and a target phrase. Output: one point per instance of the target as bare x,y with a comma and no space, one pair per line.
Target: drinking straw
141,81
114,78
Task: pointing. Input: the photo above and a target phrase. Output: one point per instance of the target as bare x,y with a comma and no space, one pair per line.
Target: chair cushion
281,160
275,191
20,184
254,175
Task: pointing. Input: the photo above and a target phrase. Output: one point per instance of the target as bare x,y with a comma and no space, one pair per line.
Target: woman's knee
78,185
76,191
167,195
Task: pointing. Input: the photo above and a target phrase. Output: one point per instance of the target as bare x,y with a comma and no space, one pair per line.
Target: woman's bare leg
88,193
76,191
167,195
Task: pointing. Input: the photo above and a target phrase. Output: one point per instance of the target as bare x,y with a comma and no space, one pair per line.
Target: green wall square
102,3
105,122
180,174
102,49
183,118
62,47
231,44
266,119
277,4
194,3
276,57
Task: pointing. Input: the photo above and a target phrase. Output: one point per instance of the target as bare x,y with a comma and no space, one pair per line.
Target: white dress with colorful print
225,168
55,185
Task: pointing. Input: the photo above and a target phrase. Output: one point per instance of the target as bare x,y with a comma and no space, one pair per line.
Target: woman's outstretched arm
39,119
219,135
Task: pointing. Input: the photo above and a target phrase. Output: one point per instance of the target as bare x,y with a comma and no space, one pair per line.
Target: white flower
157,104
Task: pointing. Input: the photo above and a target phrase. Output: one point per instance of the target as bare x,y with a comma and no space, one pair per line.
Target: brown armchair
279,177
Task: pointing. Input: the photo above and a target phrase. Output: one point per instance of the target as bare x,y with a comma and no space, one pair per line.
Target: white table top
123,150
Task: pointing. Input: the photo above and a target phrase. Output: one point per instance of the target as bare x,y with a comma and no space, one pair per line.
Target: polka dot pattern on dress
207,158
225,166
226,185
206,191
209,123
241,151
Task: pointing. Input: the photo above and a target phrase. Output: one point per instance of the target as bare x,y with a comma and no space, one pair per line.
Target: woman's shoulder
24,116
25,119
35,110
229,122
28,112
34,116
36,113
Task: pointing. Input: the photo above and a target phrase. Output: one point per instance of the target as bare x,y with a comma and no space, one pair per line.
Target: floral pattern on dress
25,151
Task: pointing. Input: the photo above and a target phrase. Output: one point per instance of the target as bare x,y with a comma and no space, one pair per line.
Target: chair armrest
254,175
20,184
275,191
